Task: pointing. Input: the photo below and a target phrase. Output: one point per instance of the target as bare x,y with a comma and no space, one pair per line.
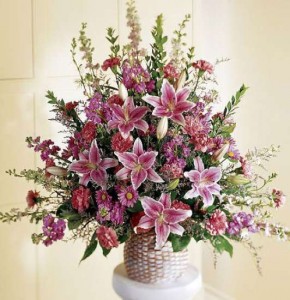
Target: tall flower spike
92,166
138,165
170,104
128,117
165,219
204,182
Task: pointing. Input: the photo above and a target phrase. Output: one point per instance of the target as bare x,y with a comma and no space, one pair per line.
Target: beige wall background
34,57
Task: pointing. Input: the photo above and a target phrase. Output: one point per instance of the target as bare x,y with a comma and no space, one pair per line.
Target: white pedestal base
184,288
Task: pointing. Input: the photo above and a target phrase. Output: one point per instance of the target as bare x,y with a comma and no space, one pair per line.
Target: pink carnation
203,65
80,199
180,205
170,71
31,198
246,168
120,144
110,63
107,237
88,132
217,223
115,99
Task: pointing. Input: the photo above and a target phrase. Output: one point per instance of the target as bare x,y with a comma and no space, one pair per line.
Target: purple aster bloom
102,196
128,196
52,230
233,152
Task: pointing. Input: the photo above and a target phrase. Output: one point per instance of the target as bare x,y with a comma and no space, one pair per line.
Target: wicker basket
145,264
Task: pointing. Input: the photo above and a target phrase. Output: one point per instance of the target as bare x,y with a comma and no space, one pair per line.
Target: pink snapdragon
127,117
165,219
92,166
138,165
170,104
204,182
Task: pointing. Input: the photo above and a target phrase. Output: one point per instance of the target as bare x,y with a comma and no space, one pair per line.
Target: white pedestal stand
184,288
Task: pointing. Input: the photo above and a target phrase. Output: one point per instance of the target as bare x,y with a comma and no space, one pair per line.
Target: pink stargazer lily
128,117
170,104
138,165
158,214
92,166
204,182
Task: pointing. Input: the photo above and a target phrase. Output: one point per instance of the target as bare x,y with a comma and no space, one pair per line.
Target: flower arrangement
145,151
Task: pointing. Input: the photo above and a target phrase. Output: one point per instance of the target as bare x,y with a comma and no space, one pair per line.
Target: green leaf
221,244
106,251
136,208
91,247
74,222
179,243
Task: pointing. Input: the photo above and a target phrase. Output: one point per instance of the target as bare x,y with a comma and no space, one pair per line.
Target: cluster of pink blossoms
143,151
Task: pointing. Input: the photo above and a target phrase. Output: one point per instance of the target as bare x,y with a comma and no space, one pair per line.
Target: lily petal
146,222
178,118
118,112
193,176
161,111
123,174
214,189
168,93
94,154
153,176
80,166
141,125
129,160
176,229
138,113
153,100
191,193
138,177
206,195
146,160
84,180
165,200
162,231
125,129
138,147
152,208
112,124
107,163
183,106
211,175
198,164
99,177
173,216
182,95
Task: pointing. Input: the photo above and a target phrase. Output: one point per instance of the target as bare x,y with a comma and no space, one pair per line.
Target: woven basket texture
145,264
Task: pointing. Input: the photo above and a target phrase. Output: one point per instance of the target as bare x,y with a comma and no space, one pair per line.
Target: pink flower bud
220,153
162,128
57,171
123,93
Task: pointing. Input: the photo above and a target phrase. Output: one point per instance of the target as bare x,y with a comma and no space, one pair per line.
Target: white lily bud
123,93
162,128
238,179
57,171
220,153
181,80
